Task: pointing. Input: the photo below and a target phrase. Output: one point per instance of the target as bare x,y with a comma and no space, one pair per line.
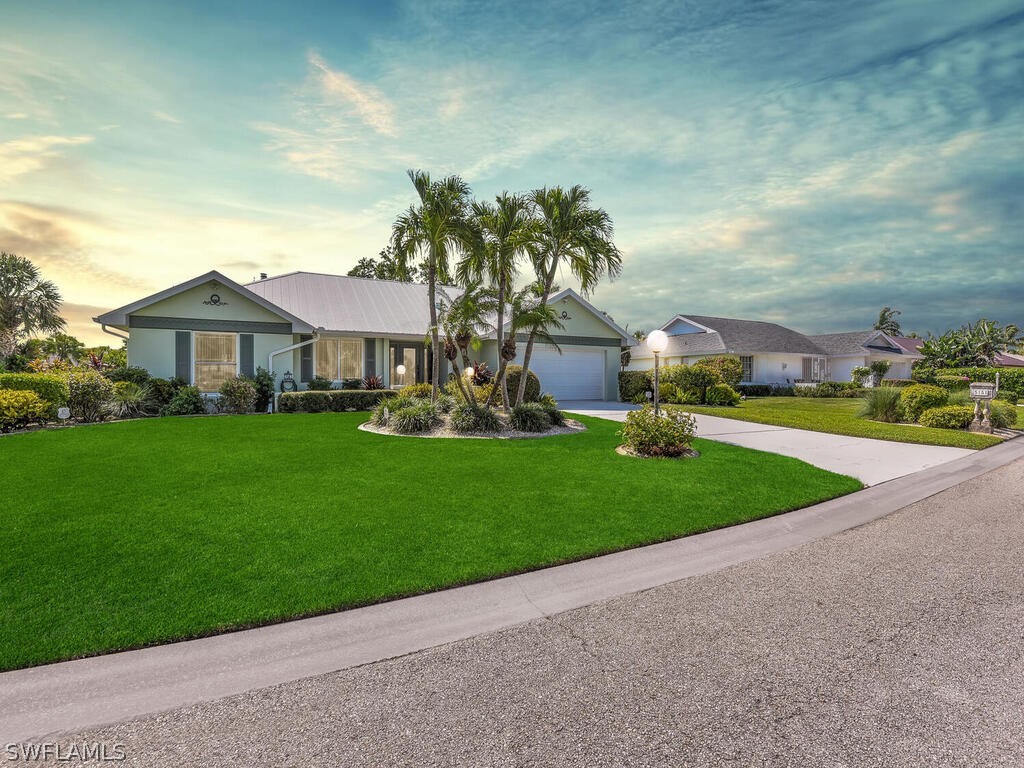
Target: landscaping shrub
1010,378
483,392
513,374
669,434
421,416
530,417
417,390
669,393
831,389
1002,415
952,383
373,382
1007,396
351,384
21,407
766,390
264,383
187,401
727,369
237,395
320,384
51,388
132,373
318,401
130,400
446,403
467,418
859,373
947,417
879,368
89,395
550,406
919,398
161,391
899,383
634,383
882,404
722,394
922,373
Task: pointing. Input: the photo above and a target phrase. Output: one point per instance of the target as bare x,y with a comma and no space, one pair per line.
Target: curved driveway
870,461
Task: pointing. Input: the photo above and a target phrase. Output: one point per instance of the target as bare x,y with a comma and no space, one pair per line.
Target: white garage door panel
576,374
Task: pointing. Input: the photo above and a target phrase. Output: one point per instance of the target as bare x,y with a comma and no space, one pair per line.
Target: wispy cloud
32,153
166,117
343,91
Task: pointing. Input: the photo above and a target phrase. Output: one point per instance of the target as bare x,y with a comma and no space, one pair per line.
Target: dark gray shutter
183,355
246,361
306,371
370,357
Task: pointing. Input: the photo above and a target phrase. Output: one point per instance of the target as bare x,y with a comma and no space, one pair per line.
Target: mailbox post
982,393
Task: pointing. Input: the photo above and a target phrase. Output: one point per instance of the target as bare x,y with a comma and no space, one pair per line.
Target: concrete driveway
870,461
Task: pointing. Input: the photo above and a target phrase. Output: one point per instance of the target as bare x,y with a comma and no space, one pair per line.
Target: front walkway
870,461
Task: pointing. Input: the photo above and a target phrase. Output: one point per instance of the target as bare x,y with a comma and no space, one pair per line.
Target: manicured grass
126,534
838,416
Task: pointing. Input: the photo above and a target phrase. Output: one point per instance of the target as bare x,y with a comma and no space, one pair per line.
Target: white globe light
657,341
469,371
400,370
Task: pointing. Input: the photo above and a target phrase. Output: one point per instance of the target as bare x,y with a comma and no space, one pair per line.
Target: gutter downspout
270,361
103,327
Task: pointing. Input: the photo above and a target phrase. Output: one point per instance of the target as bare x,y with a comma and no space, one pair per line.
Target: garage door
575,374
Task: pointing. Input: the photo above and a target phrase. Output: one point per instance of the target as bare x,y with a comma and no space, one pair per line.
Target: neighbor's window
338,359
747,361
216,359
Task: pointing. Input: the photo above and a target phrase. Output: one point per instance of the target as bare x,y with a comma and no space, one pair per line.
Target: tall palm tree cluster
975,344
484,247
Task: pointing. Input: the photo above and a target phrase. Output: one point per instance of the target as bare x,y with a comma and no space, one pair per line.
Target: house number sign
981,390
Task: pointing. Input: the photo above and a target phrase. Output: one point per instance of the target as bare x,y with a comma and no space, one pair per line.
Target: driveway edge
74,695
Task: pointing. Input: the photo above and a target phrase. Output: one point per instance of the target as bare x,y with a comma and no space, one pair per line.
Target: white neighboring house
773,354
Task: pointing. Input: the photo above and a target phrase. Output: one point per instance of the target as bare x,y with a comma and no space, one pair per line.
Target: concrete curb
84,693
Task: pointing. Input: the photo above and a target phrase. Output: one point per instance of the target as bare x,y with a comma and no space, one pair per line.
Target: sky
797,162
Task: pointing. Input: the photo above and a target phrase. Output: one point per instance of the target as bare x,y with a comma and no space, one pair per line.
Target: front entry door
410,355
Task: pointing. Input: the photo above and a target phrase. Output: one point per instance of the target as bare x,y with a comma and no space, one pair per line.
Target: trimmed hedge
512,375
1008,396
19,408
1009,378
919,398
52,389
320,401
947,417
832,389
766,390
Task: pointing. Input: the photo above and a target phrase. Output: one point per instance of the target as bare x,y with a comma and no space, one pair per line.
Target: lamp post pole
657,412
657,342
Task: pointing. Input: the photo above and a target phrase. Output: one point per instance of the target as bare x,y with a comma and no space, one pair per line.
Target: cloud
165,117
32,153
341,90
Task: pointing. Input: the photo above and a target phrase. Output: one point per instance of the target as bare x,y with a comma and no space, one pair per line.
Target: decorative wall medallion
215,301
565,315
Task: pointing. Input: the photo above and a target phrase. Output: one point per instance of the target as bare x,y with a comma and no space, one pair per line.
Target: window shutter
306,370
246,361
183,355
370,357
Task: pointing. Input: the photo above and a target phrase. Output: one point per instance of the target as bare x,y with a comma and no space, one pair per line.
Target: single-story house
771,353
211,328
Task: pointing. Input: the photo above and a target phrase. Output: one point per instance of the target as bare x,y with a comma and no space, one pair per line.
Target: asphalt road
899,643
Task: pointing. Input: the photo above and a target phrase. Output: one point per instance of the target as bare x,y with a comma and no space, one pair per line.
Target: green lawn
121,535
838,416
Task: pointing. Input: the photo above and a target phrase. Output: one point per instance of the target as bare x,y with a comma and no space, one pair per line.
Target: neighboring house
211,328
771,353
847,351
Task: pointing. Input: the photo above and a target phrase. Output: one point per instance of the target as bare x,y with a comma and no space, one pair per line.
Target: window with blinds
216,359
747,361
338,359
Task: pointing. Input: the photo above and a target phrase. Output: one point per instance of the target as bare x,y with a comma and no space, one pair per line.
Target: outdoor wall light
657,342
469,372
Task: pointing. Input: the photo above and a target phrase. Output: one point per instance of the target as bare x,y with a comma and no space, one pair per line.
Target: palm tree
507,231
462,321
28,305
434,230
527,314
572,233
887,322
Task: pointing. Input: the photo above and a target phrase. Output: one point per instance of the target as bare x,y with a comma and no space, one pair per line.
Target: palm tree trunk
549,280
500,380
434,337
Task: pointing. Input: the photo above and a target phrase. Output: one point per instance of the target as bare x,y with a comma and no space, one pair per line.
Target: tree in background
64,347
28,304
977,344
387,267
887,322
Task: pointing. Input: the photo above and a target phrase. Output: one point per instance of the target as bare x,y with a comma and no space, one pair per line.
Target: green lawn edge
838,416
145,532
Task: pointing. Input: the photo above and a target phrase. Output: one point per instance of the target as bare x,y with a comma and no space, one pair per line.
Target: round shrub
161,391
320,384
530,417
51,388
19,408
513,374
918,398
1002,415
237,395
669,434
467,418
722,394
421,416
187,401
947,417
89,395
416,390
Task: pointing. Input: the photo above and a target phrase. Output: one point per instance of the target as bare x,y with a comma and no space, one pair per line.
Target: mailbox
982,390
